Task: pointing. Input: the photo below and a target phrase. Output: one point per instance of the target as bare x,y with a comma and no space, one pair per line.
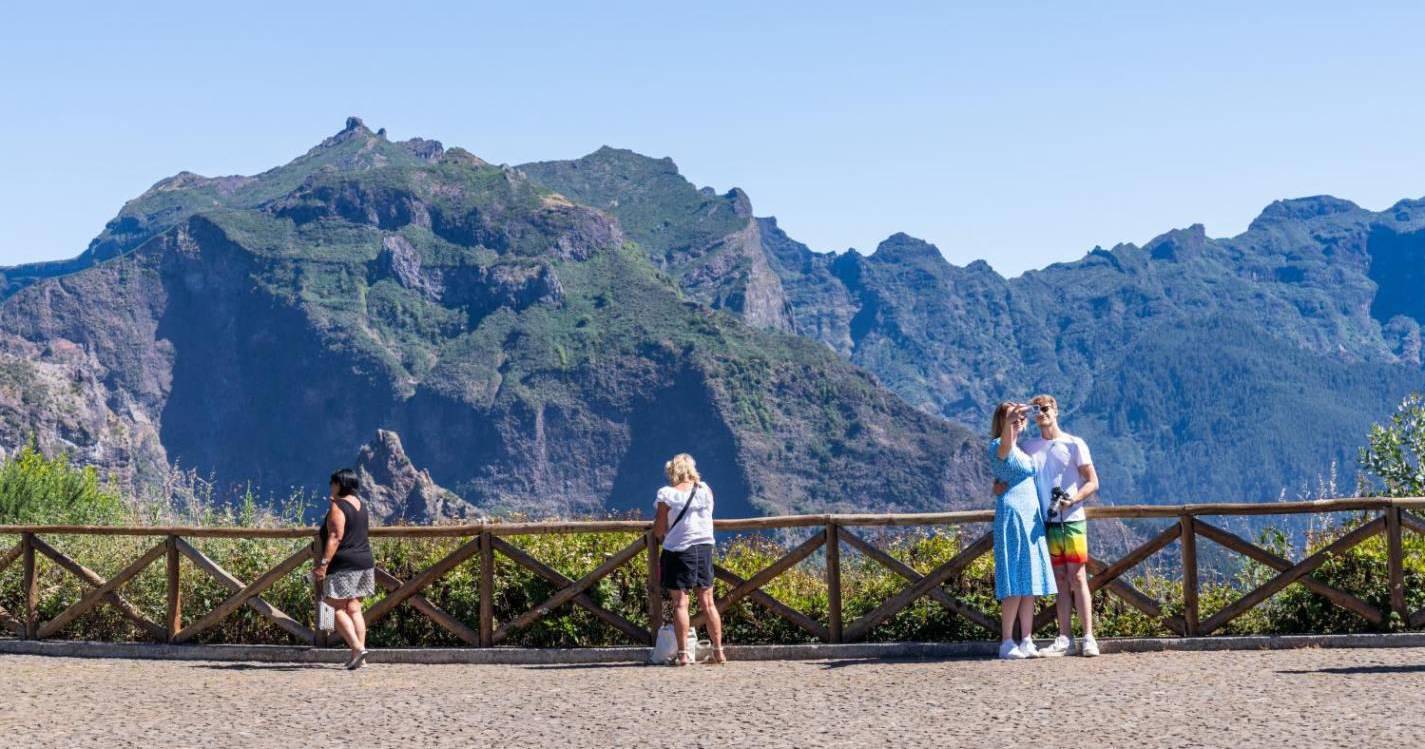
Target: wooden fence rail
1392,517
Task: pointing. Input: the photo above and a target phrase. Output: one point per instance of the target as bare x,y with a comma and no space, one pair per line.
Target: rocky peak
741,203
458,155
982,268
1178,244
903,248
429,151
1303,209
354,130
397,491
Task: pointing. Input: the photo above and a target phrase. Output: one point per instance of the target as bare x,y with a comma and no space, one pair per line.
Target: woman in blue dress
1022,568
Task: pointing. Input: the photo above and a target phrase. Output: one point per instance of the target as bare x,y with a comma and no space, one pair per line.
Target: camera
1059,499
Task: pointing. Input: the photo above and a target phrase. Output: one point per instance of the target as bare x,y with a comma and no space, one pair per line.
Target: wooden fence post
1395,560
319,636
487,589
833,582
174,621
655,587
31,588
1188,541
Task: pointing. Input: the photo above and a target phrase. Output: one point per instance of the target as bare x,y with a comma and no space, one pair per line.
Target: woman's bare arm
1008,435
336,528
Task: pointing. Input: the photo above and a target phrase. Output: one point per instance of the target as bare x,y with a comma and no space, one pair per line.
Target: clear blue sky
1016,133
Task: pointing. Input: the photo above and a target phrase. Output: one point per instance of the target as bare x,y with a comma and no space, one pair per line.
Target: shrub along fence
857,577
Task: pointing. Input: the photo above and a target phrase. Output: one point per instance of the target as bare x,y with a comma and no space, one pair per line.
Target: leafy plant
1395,451
36,489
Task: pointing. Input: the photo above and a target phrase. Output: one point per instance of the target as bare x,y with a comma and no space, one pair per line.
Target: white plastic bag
665,648
326,617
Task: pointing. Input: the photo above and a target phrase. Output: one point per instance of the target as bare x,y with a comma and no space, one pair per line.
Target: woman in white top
684,523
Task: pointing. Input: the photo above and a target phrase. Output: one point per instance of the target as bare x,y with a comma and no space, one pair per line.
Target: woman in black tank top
346,569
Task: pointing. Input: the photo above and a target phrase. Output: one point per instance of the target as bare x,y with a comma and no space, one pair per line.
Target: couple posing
1040,485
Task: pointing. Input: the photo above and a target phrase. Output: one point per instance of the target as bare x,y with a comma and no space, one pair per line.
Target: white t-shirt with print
1058,462
697,526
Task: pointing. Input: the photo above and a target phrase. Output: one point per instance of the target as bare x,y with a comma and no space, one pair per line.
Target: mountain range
516,345
540,338
1198,369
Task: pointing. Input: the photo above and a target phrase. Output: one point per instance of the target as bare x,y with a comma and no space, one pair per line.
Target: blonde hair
681,468
1044,399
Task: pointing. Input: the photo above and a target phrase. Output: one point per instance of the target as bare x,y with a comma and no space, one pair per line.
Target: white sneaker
1089,648
1008,651
1027,647
1061,646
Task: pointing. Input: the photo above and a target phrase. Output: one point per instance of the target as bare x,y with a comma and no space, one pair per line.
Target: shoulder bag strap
687,506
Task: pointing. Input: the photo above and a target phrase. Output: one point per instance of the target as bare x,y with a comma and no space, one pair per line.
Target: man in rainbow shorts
1064,463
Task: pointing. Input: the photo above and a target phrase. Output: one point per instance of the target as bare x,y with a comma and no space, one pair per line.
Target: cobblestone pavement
1308,697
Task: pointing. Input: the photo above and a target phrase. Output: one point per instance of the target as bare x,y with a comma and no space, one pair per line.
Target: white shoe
1089,648
1027,647
1008,651
1061,646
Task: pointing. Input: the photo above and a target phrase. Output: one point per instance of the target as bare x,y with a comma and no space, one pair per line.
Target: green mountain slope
524,347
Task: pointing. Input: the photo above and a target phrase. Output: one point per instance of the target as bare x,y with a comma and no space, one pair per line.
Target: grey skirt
350,584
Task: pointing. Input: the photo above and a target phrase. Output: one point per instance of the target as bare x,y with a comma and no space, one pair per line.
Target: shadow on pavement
581,666
1350,670
828,665
264,666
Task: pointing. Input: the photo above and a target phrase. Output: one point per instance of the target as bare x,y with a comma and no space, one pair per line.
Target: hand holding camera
1026,409
1059,500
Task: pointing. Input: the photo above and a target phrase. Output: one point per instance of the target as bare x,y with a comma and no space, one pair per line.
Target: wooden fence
833,533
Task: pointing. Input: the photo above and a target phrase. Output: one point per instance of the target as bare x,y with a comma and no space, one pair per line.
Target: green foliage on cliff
35,489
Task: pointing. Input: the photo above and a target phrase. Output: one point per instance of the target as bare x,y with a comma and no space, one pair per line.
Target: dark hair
346,482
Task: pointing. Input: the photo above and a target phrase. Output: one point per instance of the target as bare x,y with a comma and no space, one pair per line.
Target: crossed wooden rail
834,531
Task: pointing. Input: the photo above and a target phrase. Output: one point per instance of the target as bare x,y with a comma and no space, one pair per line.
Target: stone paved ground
1309,697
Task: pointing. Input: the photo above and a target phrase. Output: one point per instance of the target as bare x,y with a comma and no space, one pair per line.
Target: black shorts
687,569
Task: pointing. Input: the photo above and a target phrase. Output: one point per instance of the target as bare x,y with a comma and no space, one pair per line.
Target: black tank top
353,553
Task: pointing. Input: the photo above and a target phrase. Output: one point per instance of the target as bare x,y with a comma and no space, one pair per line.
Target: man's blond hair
1044,399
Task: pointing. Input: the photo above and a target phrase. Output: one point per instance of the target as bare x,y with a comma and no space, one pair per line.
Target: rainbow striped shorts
1068,542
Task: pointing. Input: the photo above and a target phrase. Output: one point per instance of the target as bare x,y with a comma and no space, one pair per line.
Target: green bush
1394,454
35,489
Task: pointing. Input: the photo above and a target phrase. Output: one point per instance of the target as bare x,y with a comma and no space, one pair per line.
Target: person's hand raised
1017,421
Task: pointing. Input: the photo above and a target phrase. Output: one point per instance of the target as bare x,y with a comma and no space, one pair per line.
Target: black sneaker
357,661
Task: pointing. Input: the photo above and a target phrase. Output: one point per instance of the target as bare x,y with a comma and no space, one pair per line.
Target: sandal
718,657
683,659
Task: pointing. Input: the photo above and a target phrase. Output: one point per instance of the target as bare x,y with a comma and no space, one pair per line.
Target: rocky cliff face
522,344
53,394
398,492
707,241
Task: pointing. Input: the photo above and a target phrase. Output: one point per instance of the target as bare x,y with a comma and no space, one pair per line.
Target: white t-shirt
1058,462
697,526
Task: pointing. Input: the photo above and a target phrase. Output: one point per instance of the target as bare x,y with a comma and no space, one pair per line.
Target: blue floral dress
1021,552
